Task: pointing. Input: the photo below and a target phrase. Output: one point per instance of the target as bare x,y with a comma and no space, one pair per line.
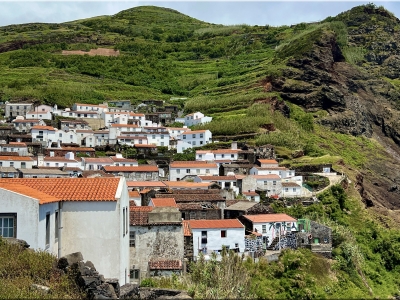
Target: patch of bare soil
93,52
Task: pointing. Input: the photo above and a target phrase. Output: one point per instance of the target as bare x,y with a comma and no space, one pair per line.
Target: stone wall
188,248
154,242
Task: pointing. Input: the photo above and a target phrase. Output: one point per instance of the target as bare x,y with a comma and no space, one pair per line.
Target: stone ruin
95,286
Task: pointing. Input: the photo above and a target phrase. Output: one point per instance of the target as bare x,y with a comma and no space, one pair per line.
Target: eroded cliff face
357,102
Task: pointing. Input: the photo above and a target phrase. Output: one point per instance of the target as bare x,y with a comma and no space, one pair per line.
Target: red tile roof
193,164
72,189
125,125
144,146
163,202
40,127
98,160
167,264
227,223
268,161
117,159
267,218
186,228
251,193
194,131
16,158
187,184
134,194
145,184
139,215
30,192
131,169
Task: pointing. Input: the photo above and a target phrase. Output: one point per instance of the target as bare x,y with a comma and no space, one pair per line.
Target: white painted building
99,108
175,132
61,216
196,118
219,155
68,161
20,148
17,162
225,182
24,125
181,170
212,235
44,134
41,115
271,184
195,138
271,226
291,189
96,163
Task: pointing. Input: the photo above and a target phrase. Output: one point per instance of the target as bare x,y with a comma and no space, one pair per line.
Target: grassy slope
220,70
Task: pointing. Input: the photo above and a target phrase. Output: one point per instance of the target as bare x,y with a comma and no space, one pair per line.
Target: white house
89,107
271,226
67,215
251,196
271,184
194,138
43,134
291,189
25,125
96,163
42,115
176,131
20,148
181,170
213,235
280,171
225,182
223,155
196,119
119,160
68,161
17,162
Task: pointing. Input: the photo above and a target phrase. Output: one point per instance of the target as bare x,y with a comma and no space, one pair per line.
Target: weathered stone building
314,236
156,241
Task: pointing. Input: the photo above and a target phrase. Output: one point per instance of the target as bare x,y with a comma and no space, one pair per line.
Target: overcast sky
222,12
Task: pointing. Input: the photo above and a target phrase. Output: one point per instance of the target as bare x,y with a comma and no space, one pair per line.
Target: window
11,164
8,225
222,155
23,165
265,182
56,225
178,171
184,136
134,273
124,221
47,229
193,135
264,228
70,136
223,233
56,164
197,171
162,136
200,155
192,215
153,136
207,171
201,142
194,143
232,155
294,190
204,237
127,220
286,189
187,171
201,135
274,182
203,215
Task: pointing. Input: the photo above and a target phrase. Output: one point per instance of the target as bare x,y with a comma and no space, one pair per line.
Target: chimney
234,146
40,160
58,144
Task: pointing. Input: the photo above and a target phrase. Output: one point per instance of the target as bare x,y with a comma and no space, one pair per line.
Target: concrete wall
156,242
215,241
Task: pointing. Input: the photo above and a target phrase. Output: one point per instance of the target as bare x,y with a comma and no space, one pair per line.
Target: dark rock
90,265
115,284
69,260
128,290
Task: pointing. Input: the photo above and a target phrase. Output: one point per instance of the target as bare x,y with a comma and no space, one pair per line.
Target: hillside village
157,216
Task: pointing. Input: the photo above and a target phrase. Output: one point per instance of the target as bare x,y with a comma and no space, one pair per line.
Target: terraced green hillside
331,90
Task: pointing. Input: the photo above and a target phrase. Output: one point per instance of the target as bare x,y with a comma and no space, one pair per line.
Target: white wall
45,209
95,228
27,210
17,163
214,240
